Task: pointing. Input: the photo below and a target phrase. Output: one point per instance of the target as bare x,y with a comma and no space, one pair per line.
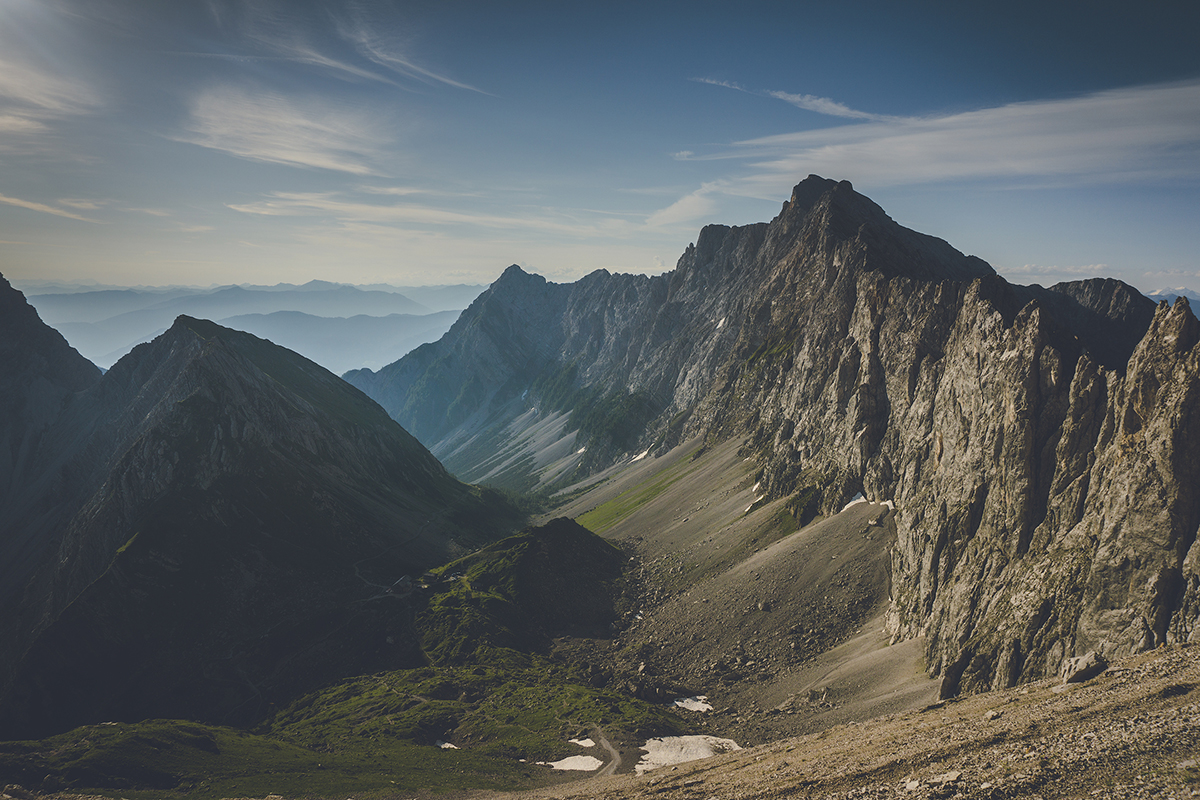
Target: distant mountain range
1171,295
105,324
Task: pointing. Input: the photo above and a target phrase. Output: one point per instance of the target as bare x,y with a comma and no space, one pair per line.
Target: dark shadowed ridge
226,518
39,374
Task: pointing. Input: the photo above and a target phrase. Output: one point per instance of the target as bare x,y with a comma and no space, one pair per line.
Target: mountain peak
25,338
809,191
515,275
258,476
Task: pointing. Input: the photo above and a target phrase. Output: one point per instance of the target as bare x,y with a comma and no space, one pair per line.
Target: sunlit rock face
1038,443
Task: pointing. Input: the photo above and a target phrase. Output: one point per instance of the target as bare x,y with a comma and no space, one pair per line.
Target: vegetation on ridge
490,688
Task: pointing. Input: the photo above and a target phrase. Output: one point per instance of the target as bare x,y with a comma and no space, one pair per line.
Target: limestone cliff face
233,517
1039,444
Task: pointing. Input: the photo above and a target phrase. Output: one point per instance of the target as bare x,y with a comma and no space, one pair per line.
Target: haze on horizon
231,141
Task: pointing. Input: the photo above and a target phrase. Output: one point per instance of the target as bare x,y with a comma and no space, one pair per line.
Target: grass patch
768,351
169,758
516,593
485,621
606,515
527,708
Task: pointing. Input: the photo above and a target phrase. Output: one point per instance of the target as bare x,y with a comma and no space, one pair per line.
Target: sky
202,142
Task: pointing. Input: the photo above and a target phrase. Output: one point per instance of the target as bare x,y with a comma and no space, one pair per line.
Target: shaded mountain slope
484,622
1037,442
39,374
234,509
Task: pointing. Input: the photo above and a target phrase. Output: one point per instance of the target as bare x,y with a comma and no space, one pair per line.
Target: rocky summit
205,530
1038,444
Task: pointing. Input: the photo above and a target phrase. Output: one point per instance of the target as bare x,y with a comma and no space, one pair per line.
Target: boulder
1082,668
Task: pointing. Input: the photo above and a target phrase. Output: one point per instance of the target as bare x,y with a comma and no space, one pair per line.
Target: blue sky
220,141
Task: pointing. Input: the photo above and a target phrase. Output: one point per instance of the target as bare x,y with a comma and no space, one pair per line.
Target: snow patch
721,324
677,749
582,742
444,745
577,763
697,703
641,455
581,450
858,498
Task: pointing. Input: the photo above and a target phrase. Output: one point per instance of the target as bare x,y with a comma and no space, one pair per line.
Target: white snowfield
678,749
580,763
858,498
697,703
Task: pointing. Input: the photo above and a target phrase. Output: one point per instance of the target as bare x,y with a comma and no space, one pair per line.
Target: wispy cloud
265,126
1135,134
274,31
25,86
383,51
726,84
338,207
82,204
393,191
42,207
823,105
299,54
808,102
690,207
32,99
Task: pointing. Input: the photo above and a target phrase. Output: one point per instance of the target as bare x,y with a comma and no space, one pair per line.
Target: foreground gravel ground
1132,732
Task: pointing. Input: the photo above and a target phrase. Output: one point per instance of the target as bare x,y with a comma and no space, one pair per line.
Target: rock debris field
1131,732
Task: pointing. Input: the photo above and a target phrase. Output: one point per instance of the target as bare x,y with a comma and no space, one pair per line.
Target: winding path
612,766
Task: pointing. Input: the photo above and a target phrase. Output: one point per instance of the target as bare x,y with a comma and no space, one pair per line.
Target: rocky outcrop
1038,443
230,520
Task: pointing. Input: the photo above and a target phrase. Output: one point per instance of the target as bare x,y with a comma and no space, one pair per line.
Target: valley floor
1132,732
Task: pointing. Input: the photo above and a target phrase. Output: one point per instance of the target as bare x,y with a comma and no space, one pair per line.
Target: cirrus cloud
1146,133
266,126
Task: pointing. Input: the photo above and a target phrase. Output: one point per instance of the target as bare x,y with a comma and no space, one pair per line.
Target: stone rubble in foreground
1131,732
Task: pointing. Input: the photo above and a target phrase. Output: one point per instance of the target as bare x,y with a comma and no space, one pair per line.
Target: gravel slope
1132,732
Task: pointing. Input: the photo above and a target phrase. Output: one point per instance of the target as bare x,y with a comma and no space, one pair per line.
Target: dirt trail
614,763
